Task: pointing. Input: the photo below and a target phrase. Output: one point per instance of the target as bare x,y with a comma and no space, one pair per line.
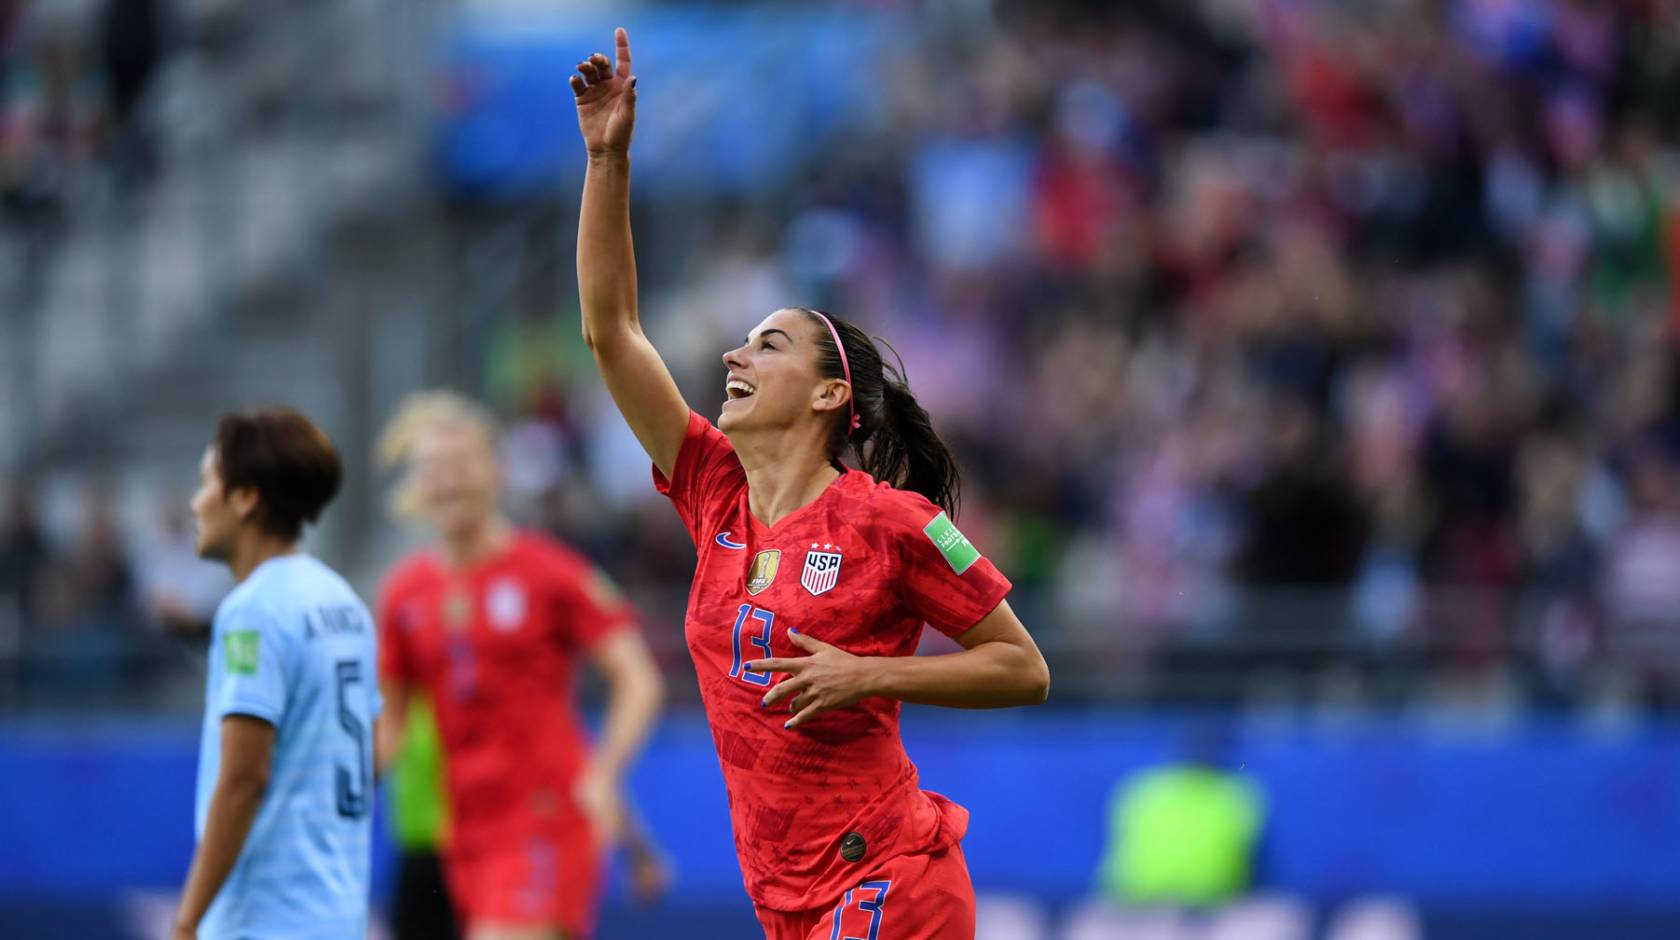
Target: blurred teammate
491,623
285,770
814,571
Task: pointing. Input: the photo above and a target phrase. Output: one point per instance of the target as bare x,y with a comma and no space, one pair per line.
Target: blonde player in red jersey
491,623
812,584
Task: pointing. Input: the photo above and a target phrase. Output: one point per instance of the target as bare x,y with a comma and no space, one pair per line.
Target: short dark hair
284,457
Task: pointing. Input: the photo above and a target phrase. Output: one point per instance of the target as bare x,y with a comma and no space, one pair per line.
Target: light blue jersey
294,646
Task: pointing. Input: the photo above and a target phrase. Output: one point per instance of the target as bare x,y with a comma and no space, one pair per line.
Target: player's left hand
598,796
827,679
649,877
183,932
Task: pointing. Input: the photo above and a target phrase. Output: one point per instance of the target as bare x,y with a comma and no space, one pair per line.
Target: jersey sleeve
257,660
944,579
706,475
394,664
591,607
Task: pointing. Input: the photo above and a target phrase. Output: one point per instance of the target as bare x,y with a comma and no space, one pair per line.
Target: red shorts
910,897
544,876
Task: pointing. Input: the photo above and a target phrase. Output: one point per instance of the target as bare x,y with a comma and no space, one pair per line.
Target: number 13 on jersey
746,627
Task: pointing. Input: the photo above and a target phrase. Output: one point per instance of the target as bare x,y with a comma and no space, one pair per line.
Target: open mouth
737,389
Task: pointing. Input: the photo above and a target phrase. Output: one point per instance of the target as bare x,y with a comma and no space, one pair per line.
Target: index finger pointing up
622,38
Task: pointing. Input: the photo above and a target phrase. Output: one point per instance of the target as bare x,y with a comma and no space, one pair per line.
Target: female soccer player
285,761
490,624
812,572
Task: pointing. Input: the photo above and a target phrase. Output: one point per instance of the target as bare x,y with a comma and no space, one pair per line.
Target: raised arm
606,262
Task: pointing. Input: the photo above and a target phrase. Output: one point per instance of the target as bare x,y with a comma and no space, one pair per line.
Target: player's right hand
606,100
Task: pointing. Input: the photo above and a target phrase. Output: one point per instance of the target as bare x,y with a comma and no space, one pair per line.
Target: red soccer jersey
861,567
495,645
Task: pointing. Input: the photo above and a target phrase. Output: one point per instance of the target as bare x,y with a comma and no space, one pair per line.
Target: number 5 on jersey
756,637
352,785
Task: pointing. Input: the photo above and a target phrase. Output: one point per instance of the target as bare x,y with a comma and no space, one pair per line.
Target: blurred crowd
101,611
74,82
1258,326
1288,333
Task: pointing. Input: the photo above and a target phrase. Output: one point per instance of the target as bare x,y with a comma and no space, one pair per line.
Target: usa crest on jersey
506,605
822,569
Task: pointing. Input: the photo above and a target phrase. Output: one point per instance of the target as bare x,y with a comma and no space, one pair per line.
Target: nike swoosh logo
723,539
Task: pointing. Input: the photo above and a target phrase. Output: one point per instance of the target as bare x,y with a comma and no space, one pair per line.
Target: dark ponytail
895,441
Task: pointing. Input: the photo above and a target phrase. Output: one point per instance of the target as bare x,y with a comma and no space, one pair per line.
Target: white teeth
736,385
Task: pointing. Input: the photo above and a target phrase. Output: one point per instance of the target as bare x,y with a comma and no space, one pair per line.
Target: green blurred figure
420,909
1182,835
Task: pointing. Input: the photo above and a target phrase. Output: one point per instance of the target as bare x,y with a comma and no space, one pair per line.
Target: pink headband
844,367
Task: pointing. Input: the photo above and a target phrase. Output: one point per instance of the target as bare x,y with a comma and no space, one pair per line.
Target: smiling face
773,379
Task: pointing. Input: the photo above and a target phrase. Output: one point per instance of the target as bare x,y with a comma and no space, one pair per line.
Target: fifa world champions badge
822,569
763,570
